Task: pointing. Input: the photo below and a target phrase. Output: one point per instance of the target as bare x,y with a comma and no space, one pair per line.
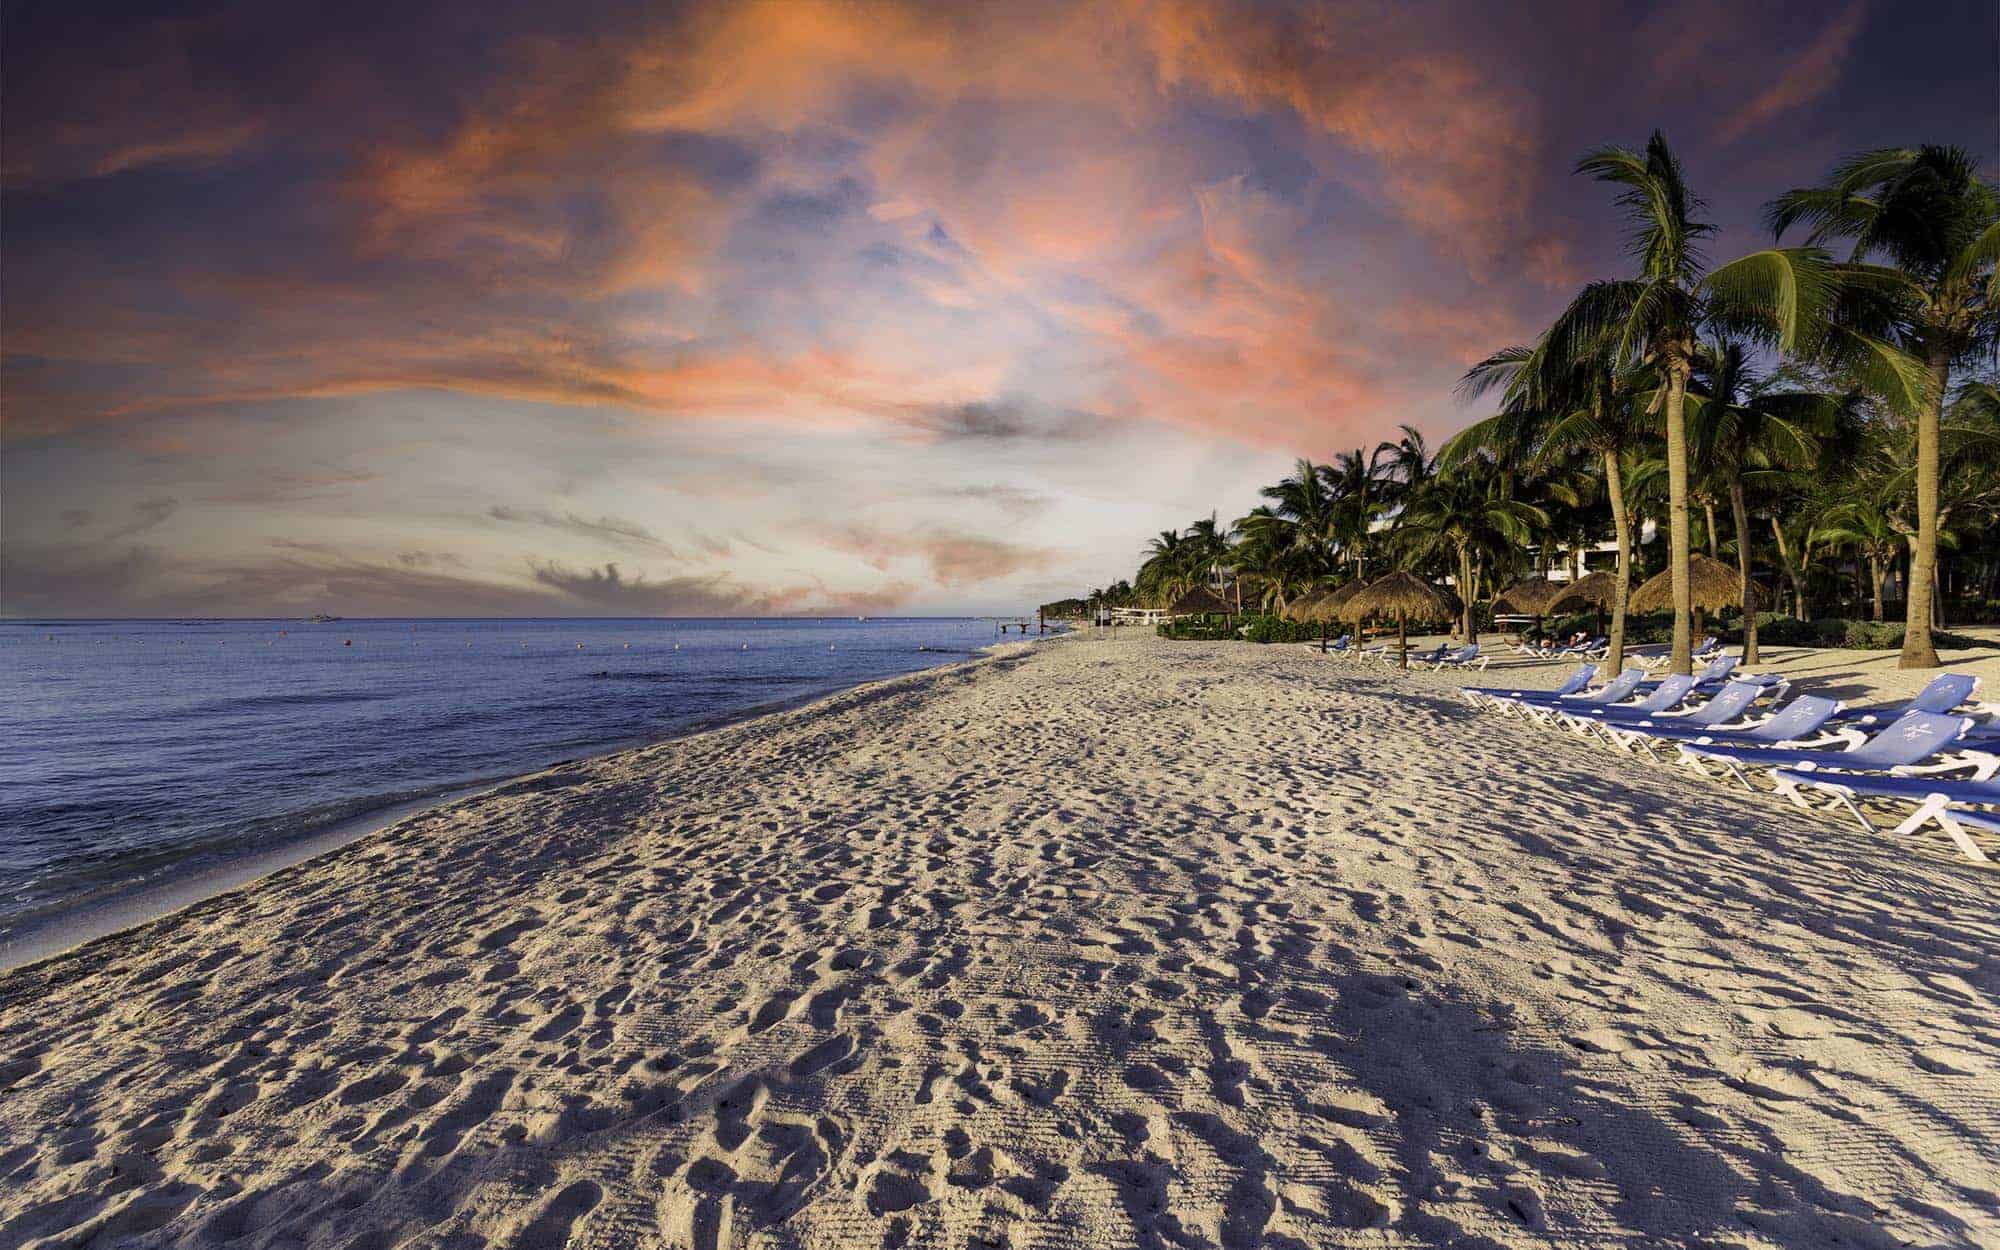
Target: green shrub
1260,627
1785,631
1874,635
1200,629
1277,629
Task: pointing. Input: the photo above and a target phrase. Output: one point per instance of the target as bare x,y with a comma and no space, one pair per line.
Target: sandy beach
1095,943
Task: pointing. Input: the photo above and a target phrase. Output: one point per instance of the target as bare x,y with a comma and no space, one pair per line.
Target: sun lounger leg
1960,836
1939,809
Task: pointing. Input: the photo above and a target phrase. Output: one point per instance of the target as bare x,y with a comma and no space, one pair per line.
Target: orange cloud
955,560
596,228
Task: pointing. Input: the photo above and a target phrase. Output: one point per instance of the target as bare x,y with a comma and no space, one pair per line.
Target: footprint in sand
557,1224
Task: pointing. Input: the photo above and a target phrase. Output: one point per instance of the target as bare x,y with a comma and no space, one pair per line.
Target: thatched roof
1403,595
1201,601
1339,597
1321,605
1711,583
1594,590
1308,606
1532,595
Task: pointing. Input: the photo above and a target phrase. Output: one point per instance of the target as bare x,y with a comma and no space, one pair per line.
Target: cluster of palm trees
1806,413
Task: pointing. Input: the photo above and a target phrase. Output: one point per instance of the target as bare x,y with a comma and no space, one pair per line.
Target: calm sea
137,751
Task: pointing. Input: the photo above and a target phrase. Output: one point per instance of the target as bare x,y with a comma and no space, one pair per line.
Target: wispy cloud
605,528
1803,78
146,514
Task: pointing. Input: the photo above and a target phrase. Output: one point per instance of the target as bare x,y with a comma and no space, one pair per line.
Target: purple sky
764,308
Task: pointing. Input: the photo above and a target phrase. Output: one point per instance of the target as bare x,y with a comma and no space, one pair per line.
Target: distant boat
860,618
321,618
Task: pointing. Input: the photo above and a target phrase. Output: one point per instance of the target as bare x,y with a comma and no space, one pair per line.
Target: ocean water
132,752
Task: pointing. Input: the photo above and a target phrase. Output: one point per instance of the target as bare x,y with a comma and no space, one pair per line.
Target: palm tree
1304,513
1865,525
1553,405
1268,554
1403,465
1162,576
1780,296
1929,214
1740,427
1207,546
1464,512
1352,481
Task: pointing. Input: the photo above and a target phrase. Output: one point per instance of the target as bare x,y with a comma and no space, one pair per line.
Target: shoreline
53,937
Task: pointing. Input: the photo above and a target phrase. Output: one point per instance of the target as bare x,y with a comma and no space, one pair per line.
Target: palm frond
1781,293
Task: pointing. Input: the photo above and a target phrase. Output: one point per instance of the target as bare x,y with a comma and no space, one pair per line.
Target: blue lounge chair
1918,736
1945,693
1729,706
1387,652
1655,657
1545,707
1667,695
1585,647
1802,722
1464,657
1714,673
1574,682
1945,800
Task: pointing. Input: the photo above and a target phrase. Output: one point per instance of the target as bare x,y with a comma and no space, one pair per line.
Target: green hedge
1277,629
1199,629
1874,635
1255,628
1835,631
1786,631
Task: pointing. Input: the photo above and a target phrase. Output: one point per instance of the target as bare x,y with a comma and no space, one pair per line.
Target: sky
768,308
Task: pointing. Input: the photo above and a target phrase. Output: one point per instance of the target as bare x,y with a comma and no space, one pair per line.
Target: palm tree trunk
1740,514
1465,591
1678,544
1918,650
1621,524
1402,643
1875,581
1708,509
1792,571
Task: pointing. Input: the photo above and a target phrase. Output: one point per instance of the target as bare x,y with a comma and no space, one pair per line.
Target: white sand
1108,943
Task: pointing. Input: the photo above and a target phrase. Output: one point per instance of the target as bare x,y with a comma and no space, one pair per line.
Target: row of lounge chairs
1443,656
1931,760
1599,647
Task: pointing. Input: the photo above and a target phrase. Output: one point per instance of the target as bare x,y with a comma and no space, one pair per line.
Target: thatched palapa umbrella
1338,599
1299,610
1532,595
1201,602
1593,590
1406,597
1320,605
1712,585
